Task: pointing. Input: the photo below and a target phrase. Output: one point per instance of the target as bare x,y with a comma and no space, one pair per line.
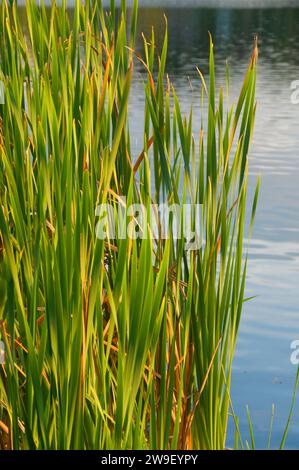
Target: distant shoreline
214,3
242,4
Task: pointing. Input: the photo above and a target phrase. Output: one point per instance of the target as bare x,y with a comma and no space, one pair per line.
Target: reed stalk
116,343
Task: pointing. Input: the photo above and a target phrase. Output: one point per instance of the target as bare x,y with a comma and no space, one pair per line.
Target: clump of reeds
116,343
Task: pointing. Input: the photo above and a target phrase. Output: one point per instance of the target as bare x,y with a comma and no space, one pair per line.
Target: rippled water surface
263,373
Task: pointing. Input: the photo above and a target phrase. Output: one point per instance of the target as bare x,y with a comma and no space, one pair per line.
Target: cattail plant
115,343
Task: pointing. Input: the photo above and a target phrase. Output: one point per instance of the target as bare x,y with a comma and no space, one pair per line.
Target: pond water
263,373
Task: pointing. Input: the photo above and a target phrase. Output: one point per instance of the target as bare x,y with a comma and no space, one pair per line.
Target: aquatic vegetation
120,342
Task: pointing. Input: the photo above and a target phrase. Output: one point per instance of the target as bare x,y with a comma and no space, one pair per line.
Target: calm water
263,373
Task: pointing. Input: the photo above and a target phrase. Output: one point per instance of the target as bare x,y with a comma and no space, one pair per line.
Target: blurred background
263,374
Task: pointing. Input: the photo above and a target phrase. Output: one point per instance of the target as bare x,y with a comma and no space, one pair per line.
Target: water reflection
263,374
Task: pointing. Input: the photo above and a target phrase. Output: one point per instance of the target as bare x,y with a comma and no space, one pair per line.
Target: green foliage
119,343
